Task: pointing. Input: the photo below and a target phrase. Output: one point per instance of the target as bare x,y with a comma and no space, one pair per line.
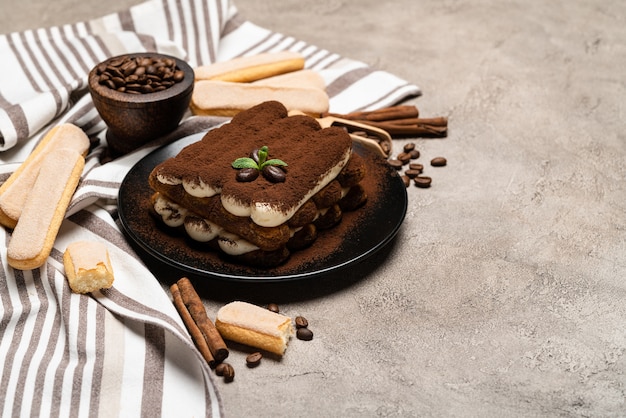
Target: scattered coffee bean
304,334
412,173
415,154
397,164
404,157
229,373
422,182
406,180
220,368
438,162
247,174
254,359
416,166
409,147
301,322
139,75
273,307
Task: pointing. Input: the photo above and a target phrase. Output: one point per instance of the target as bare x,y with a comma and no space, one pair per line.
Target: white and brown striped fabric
123,351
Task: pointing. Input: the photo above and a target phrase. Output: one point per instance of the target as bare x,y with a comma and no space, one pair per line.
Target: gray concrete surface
505,292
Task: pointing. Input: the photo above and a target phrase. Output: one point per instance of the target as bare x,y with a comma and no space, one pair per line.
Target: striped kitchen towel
122,351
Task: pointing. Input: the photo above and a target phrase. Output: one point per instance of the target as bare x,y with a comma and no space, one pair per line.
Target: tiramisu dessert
261,186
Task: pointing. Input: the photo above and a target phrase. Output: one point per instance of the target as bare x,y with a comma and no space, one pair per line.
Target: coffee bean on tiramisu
273,307
304,334
254,359
412,173
247,174
397,164
416,166
404,157
301,322
409,147
274,174
415,154
406,180
422,182
438,162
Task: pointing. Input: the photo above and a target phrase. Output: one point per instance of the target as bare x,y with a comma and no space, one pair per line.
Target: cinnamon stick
196,334
394,129
384,114
196,309
438,121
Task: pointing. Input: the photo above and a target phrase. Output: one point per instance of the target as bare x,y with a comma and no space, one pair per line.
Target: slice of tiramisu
260,186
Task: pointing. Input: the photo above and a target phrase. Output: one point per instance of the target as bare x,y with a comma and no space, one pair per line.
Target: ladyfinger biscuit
254,326
251,68
44,210
303,79
16,189
223,98
88,266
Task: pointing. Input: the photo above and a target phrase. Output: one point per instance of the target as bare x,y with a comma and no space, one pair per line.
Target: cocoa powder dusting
309,151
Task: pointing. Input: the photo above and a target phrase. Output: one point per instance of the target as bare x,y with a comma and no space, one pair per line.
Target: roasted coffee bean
114,71
247,174
178,76
409,147
404,157
304,334
422,182
151,74
438,162
416,166
274,174
254,359
397,164
406,180
118,81
301,322
273,307
415,154
140,71
255,155
147,88
220,368
412,173
229,373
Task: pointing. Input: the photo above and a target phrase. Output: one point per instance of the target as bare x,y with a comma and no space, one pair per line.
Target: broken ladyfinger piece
88,266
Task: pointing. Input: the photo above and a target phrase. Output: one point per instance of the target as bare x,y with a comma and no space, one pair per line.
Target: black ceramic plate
359,235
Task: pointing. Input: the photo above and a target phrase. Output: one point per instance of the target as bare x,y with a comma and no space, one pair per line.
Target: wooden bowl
136,119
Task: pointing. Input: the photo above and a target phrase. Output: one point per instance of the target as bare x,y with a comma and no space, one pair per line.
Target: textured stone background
504,293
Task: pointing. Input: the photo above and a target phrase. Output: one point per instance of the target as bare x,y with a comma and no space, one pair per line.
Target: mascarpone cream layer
199,229
261,213
266,214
